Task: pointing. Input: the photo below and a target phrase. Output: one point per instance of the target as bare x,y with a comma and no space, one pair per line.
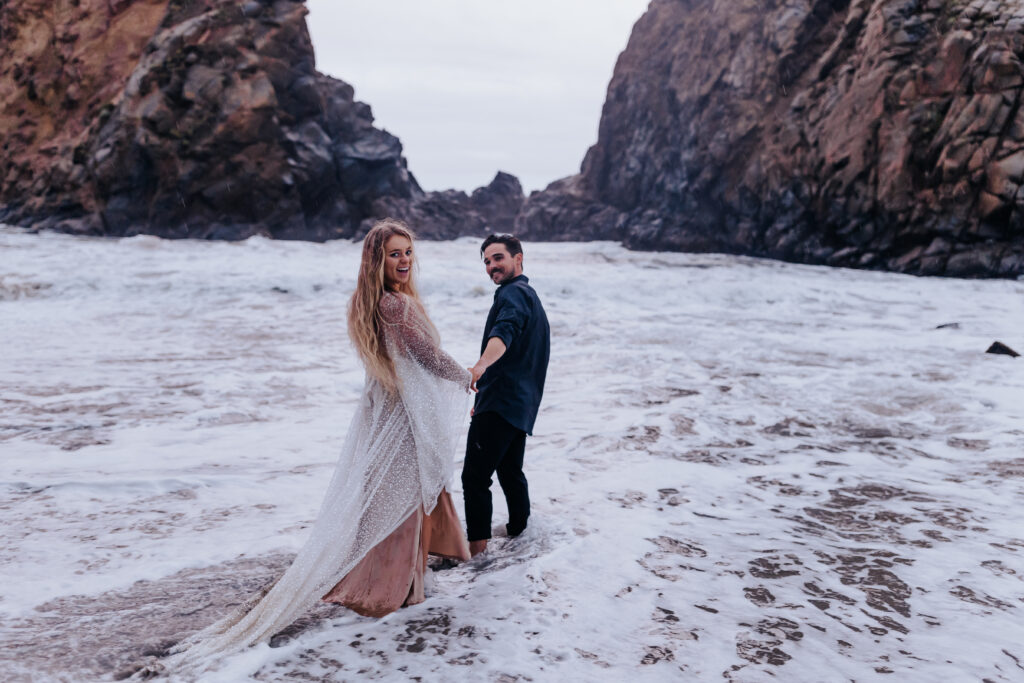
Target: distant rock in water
880,134
1001,349
200,118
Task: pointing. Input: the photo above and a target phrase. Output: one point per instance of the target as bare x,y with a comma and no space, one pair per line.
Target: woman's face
397,262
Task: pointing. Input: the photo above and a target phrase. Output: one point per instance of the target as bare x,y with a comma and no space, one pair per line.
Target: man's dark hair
511,243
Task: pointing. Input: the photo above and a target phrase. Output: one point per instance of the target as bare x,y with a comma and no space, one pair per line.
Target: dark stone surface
208,121
1001,349
883,134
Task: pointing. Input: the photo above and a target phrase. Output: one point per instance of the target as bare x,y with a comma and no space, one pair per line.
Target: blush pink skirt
391,575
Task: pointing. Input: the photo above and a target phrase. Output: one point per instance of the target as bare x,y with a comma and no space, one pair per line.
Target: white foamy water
743,470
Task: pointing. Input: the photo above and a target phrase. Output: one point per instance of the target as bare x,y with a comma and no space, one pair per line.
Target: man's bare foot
477,547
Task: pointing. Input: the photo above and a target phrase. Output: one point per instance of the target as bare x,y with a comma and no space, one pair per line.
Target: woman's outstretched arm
410,334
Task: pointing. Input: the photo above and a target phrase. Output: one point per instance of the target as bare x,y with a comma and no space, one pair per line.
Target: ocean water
743,470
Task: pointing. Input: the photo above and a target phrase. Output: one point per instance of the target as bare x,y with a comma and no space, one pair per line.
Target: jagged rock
199,119
864,133
442,215
500,202
562,212
1001,349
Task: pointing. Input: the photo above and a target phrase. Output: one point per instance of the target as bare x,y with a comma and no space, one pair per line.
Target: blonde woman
409,377
386,506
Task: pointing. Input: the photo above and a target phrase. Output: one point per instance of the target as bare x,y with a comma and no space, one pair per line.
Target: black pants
494,445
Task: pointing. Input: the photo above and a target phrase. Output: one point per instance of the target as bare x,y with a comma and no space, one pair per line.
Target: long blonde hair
365,323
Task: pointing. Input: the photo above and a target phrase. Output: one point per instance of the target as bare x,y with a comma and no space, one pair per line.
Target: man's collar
518,278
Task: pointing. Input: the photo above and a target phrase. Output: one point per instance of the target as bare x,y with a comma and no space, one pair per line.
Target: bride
386,506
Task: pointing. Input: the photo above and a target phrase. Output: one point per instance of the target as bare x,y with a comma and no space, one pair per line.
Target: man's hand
493,351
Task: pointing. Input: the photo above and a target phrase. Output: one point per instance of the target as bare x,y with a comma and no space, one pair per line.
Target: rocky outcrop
199,118
491,208
868,133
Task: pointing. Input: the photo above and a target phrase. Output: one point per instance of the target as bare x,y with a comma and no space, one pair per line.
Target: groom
509,378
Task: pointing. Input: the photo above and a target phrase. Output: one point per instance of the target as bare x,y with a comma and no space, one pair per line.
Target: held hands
493,351
475,373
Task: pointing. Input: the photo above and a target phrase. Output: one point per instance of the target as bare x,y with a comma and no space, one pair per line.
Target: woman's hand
475,373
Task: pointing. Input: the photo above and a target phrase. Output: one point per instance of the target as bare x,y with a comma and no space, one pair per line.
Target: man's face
501,266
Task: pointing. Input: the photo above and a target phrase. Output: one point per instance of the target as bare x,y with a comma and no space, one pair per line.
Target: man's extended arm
492,352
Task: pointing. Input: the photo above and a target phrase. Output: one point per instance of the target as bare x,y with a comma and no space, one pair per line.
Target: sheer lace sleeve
412,336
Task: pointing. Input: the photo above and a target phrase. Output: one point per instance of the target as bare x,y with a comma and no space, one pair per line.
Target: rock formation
199,118
868,133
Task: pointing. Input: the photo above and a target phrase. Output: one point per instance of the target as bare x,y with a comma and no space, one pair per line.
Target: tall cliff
199,118
867,133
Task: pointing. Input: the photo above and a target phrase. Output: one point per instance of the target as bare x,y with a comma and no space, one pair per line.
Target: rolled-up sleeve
512,316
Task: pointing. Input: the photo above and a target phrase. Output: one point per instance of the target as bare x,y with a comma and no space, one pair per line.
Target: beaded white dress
395,463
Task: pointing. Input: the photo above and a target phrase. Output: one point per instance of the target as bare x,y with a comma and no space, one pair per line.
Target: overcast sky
476,86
